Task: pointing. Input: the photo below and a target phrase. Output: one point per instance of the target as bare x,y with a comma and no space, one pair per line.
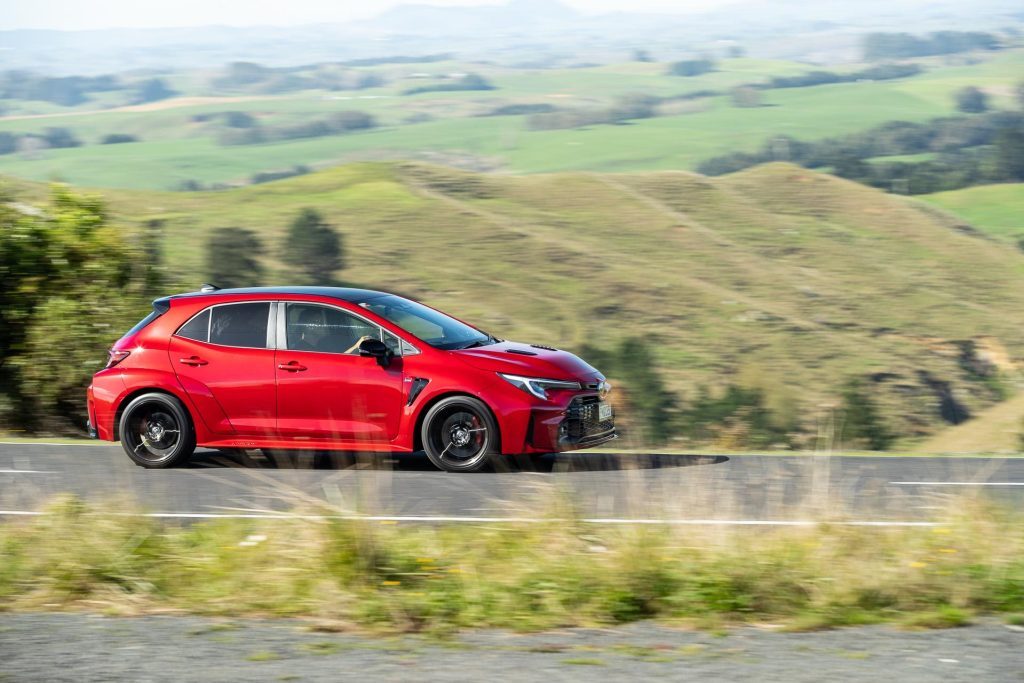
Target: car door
325,389
224,361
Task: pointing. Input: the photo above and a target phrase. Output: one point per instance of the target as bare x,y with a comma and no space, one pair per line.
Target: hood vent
521,352
541,346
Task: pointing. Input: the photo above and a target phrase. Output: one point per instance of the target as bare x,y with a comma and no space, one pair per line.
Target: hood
529,361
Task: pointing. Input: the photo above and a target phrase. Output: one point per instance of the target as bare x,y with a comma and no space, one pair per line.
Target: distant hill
518,15
776,276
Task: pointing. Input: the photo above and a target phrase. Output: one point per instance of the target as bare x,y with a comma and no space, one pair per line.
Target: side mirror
377,349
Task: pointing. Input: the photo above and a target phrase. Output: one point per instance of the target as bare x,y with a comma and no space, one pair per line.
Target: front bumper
576,425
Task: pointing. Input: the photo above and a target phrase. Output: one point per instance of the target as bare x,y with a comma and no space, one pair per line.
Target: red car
329,368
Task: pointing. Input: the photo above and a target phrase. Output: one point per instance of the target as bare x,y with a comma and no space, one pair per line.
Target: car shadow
412,462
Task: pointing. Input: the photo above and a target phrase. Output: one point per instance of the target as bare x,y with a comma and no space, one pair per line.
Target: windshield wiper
480,342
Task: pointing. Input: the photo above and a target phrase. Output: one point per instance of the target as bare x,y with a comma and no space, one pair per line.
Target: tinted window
240,325
142,323
197,328
433,327
328,330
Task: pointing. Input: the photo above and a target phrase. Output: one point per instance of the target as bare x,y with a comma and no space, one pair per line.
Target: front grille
582,422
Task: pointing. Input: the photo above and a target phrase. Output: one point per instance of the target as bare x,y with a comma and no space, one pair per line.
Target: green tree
153,90
650,401
971,100
68,281
691,67
232,258
1009,151
313,249
861,421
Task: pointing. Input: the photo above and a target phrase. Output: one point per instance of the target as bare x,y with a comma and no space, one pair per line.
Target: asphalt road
78,647
734,489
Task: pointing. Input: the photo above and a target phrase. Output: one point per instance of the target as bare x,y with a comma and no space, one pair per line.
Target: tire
156,431
459,434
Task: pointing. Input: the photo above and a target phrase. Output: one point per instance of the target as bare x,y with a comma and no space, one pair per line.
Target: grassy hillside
996,209
449,126
998,429
776,277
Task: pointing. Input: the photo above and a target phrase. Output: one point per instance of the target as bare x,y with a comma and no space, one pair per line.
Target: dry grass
354,573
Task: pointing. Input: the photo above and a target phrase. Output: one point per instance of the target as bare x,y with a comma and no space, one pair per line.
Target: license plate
604,411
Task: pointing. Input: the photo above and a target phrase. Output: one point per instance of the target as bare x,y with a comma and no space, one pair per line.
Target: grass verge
360,574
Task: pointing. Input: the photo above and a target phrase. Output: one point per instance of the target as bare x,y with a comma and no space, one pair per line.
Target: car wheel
459,434
156,431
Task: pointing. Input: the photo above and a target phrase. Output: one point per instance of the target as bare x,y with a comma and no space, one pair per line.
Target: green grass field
996,209
175,148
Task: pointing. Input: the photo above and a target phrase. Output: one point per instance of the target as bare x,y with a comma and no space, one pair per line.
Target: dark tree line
66,91
882,72
467,82
335,124
253,77
879,46
53,138
970,150
69,91
624,109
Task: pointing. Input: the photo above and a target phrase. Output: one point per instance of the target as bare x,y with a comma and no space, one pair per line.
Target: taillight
116,357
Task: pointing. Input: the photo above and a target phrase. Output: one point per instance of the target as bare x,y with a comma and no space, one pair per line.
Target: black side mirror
377,349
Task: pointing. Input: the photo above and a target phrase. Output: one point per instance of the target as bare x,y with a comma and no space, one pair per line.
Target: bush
971,100
118,139
691,67
862,425
467,82
238,119
153,90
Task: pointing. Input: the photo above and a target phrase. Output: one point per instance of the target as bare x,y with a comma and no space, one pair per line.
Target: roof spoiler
207,287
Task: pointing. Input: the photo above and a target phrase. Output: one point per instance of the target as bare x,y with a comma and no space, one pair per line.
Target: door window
329,330
198,328
242,325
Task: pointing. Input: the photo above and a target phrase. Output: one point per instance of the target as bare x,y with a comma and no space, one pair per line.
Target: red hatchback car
329,368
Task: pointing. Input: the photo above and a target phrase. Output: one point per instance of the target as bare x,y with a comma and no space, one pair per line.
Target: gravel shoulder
82,647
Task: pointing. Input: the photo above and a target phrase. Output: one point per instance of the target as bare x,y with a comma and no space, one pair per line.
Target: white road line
55,443
957,483
28,472
506,520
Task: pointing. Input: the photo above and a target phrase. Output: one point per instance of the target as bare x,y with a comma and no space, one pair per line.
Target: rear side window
198,328
142,323
242,325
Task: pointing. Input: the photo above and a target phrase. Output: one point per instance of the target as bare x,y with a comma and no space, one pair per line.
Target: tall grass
562,572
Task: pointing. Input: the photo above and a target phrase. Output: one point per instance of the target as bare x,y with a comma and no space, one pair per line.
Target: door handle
291,366
194,361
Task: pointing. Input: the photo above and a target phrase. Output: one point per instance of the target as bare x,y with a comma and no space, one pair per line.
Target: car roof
350,294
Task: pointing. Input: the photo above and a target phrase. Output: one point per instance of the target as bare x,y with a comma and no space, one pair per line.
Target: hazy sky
90,14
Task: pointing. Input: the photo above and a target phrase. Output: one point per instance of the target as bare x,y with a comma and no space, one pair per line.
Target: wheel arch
417,437
135,393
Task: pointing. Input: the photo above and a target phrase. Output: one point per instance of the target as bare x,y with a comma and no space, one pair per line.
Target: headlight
536,386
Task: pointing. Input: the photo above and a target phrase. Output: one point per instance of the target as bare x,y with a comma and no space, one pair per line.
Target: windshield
433,327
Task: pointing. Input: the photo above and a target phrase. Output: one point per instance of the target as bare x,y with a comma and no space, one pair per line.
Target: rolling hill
777,277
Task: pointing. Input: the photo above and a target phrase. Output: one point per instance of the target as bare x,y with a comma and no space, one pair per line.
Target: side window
240,325
198,328
393,343
311,327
